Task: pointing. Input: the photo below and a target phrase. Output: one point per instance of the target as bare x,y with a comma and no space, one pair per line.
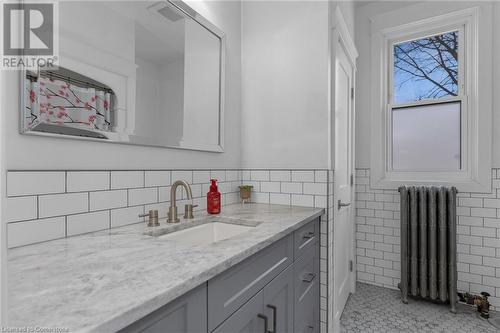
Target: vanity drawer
305,238
306,275
230,290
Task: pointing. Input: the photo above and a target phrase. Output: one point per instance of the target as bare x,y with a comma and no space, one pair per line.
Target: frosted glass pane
426,137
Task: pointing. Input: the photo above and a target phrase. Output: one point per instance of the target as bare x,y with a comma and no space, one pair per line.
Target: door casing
341,38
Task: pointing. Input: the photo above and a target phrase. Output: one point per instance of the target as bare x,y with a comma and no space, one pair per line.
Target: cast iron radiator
428,243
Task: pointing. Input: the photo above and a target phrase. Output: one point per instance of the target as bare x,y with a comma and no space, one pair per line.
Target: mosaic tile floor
377,309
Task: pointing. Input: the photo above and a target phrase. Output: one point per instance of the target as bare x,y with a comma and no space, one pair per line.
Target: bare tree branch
433,60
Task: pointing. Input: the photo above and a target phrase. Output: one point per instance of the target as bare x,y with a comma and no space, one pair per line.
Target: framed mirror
136,72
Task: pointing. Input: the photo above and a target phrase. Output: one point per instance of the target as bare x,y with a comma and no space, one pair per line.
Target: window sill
462,184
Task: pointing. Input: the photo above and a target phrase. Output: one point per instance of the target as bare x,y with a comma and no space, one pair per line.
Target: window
431,91
426,102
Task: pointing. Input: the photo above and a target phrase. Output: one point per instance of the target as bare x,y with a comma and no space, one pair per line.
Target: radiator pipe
404,244
452,250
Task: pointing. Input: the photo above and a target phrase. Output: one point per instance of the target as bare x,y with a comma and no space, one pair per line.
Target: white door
343,225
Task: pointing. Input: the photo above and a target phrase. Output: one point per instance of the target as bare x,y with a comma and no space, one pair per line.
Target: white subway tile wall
21,208
278,186
81,181
101,200
33,182
46,205
125,216
127,179
478,237
83,223
23,233
157,178
62,204
142,196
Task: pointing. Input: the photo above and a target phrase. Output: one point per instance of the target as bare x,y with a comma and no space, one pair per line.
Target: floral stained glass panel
58,102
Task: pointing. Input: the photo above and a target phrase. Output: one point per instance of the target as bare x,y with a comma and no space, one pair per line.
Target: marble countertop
104,281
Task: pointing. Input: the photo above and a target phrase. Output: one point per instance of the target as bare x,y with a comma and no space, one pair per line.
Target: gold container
246,193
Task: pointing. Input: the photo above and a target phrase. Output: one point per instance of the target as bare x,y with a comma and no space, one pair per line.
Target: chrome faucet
172,211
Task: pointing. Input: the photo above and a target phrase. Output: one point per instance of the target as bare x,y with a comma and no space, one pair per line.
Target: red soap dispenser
213,198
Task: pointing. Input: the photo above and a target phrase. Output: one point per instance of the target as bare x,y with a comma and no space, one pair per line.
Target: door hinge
350,265
352,93
352,179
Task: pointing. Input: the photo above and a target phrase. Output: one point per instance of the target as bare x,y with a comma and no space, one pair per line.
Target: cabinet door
246,319
231,289
278,302
186,314
306,280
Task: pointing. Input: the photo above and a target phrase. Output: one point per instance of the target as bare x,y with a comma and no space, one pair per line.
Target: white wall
362,41
362,27
285,95
3,195
496,86
32,152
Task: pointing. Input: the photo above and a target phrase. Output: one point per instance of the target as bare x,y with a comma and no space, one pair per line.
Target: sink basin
207,233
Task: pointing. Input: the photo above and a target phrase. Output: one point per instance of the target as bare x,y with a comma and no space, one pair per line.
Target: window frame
475,92
461,94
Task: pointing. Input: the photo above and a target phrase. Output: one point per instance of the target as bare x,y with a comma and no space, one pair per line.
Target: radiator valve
483,305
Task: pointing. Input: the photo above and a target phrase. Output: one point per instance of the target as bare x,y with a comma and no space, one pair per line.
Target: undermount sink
207,233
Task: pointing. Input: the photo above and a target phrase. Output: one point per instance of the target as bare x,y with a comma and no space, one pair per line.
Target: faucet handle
188,211
153,218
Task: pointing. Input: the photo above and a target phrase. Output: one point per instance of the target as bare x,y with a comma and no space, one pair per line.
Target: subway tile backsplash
21,208
159,178
83,223
82,181
87,201
62,204
32,182
288,187
28,232
46,205
127,179
100,200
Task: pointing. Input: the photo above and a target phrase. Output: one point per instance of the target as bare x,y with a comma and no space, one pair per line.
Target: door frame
341,38
3,195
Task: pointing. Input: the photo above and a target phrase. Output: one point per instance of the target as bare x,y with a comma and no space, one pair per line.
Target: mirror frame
217,148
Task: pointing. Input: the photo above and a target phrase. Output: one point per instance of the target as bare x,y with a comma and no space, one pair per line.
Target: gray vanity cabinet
274,291
187,314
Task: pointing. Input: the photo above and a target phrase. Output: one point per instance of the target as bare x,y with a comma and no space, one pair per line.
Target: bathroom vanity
275,290
263,277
